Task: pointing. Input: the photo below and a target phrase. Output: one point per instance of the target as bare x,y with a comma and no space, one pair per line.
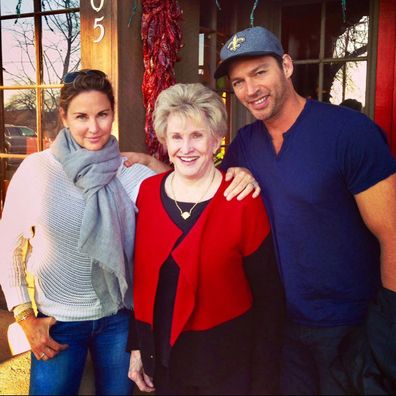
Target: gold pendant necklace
186,214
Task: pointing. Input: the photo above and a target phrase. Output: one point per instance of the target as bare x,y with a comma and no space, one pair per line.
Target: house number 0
97,22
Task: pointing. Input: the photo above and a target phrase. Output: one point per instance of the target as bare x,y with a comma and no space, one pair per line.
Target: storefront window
330,48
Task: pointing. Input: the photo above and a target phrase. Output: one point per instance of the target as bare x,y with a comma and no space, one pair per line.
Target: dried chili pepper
162,39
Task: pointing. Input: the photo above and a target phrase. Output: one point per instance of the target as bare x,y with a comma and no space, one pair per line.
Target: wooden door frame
385,93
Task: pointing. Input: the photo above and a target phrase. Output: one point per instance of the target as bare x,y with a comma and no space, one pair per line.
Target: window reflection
19,60
349,38
20,108
346,81
19,139
48,5
305,80
20,135
50,117
61,46
8,7
59,38
330,63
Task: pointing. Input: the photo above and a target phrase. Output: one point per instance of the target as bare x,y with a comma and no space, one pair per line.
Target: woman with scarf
79,225
207,299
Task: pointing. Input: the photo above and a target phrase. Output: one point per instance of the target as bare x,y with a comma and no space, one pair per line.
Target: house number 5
97,22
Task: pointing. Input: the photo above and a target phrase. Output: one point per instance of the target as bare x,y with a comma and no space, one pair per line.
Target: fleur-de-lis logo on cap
235,43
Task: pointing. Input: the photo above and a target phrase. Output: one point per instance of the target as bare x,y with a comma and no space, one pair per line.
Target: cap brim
222,69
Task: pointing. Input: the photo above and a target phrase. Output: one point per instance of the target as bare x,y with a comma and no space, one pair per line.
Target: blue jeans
307,355
105,338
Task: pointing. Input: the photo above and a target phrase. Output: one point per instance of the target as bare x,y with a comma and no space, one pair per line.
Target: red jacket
212,286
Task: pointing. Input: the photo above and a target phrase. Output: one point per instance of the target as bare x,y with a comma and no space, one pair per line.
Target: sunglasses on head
70,77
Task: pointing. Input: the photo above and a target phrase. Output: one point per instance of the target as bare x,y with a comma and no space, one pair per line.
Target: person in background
79,221
352,104
207,293
329,184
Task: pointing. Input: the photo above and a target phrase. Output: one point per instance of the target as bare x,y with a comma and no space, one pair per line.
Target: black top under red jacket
226,254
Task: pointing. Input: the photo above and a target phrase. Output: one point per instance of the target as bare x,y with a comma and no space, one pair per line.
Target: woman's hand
242,185
137,375
37,332
145,159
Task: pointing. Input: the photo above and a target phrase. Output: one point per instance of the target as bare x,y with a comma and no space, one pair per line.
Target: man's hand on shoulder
243,183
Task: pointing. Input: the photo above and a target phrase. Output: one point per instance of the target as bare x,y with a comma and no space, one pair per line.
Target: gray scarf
108,224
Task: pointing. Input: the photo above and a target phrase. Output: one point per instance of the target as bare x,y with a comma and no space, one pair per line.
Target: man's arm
377,206
243,184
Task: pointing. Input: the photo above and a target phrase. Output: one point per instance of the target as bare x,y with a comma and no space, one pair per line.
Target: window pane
50,116
61,46
8,7
305,79
349,38
47,5
20,109
19,139
301,31
17,40
346,81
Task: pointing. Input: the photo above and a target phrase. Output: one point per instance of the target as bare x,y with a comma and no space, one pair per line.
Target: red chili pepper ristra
162,40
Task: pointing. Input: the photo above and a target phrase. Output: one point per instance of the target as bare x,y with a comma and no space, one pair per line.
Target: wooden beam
385,97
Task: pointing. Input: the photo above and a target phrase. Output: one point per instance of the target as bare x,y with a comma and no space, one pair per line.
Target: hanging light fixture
252,13
343,5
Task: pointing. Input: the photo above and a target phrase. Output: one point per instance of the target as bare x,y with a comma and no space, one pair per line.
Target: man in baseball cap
328,180
256,41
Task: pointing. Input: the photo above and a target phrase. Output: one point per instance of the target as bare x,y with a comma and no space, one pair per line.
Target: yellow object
24,315
17,340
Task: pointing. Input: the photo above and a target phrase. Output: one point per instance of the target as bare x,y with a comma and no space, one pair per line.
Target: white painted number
97,23
97,9
101,28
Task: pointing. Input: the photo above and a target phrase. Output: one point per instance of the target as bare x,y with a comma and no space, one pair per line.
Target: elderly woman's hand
37,332
242,185
137,375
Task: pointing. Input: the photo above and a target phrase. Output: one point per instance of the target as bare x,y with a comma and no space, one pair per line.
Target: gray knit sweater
44,208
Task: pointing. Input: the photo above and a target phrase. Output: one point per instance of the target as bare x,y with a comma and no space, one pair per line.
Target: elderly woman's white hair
190,101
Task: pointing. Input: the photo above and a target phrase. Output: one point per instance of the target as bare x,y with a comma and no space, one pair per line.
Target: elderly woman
79,225
205,278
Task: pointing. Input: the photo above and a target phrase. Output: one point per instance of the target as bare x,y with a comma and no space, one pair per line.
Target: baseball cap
254,41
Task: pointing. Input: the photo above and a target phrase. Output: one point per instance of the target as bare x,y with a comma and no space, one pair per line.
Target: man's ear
62,116
287,64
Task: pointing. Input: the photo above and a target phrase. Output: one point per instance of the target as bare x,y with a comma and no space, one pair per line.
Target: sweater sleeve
16,227
131,178
133,343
